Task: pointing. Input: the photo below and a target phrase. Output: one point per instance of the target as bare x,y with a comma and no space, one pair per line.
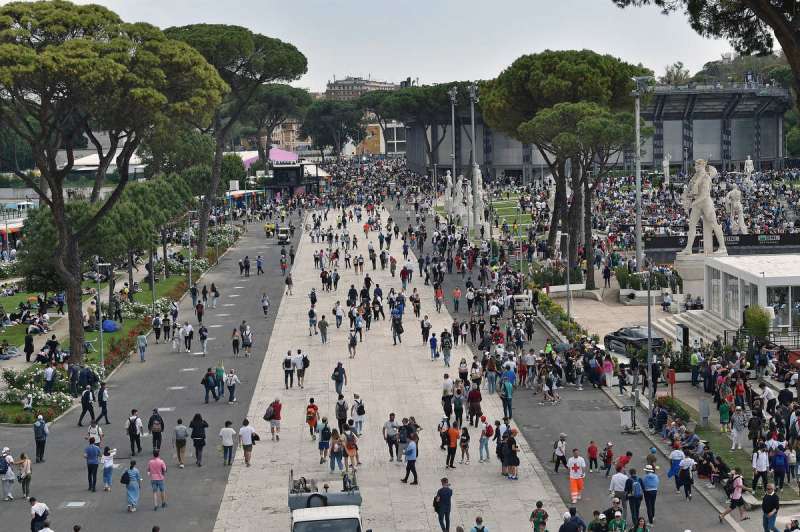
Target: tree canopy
68,70
272,105
246,61
332,123
536,81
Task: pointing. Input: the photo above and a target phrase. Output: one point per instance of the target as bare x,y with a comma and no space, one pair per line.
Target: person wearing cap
738,428
617,524
9,476
560,451
40,433
598,523
651,483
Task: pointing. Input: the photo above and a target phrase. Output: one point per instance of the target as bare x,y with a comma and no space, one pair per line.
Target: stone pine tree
71,70
246,61
272,105
539,81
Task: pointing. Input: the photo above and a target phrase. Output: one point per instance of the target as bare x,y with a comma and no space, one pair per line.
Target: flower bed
138,310
198,265
8,269
223,235
30,382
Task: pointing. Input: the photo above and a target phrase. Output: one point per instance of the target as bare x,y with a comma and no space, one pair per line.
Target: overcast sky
440,40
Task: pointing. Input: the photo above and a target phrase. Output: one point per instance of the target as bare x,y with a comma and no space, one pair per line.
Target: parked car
619,340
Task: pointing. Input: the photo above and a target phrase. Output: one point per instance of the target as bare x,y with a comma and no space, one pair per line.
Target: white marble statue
749,167
469,204
458,209
665,168
733,201
551,194
448,192
699,205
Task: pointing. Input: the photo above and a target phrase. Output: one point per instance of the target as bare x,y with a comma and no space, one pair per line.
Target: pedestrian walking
235,342
209,383
770,505
134,429
40,433
442,504
339,377
87,398
479,526
108,466
651,484
102,400
323,329
156,427
273,415
39,514
92,454
411,459
181,435
736,497
132,479
288,370
157,471
634,493
24,474
198,427
247,438
141,344
576,466
538,518
231,380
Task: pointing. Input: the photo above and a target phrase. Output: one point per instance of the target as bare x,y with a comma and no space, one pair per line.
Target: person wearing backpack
209,382
359,414
634,492
339,377
324,439
273,415
134,429
156,426
442,504
40,433
487,432
39,514
7,474
288,370
479,526
132,480
341,413
779,465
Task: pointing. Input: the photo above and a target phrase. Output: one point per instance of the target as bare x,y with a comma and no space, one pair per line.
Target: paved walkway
398,379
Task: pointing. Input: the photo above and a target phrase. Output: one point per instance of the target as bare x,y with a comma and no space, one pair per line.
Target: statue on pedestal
665,168
699,205
477,189
733,200
458,202
448,192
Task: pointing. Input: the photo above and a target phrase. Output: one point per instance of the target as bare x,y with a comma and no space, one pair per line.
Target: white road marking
215,326
229,304
189,369
234,295
75,504
166,408
176,388
222,316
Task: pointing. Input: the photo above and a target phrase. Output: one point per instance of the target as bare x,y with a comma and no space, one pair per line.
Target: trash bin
626,417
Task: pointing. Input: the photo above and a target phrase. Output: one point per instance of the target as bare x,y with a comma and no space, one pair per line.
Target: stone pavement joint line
398,379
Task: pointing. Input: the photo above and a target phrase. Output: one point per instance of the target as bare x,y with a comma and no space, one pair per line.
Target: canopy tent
250,157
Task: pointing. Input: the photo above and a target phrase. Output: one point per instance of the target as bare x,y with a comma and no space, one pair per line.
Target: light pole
434,181
637,93
473,99
569,295
189,234
452,93
100,312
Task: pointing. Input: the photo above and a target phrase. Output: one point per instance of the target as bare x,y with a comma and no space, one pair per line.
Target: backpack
489,431
326,433
636,489
360,410
269,413
436,505
501,390
156,426
38,431
287,363
310,414
341,411
132,428
352,342
125,478
351,439
306,362
3,465
779,462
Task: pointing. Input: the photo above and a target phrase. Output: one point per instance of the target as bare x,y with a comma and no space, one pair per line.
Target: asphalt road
171,382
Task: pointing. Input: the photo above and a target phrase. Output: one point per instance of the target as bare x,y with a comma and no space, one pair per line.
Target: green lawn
9,412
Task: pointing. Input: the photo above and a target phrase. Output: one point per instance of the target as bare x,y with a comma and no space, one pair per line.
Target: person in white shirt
686,477
561,451
231,380
246,437
9,477
227,434
576,466
760,466
39,514
617,487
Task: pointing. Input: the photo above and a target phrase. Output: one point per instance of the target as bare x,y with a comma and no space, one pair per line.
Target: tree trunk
262,146
573,222
559,206
131,296
587,234
112,286
71,265
211,194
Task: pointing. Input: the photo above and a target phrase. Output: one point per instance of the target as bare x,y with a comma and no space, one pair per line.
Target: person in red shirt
592,453
622,461
275,419
312,416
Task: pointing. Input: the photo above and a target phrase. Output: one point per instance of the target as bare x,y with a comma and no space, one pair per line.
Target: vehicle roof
326,512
